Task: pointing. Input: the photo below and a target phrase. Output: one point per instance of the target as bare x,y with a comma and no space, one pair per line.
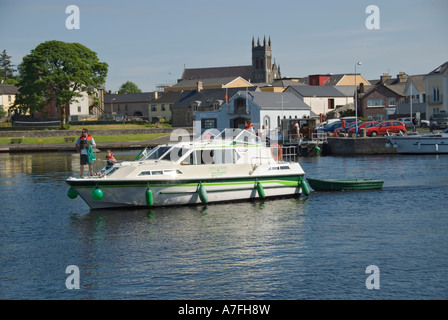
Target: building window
392,102
79,109
153,108
9,98
377,102
435,94
163,107
240,105
208,124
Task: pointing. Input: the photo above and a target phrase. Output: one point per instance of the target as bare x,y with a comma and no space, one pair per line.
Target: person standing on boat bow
85,145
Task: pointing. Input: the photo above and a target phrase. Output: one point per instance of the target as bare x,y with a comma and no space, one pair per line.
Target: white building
323,99
264,109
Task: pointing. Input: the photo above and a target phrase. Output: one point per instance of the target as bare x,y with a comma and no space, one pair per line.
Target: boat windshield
168,153
228,135
156,153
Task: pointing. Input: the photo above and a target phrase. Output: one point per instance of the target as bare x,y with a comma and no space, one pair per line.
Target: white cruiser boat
420,144
231,165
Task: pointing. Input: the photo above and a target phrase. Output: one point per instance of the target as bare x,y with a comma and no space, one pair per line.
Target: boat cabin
230,146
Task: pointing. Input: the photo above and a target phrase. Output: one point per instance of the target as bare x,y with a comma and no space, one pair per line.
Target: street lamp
356,101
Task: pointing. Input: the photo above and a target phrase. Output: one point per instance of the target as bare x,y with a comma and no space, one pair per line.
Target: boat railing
319,137
289,153
254,161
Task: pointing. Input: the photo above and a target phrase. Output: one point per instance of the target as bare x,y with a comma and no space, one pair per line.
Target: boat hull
425,144
341,185
116,194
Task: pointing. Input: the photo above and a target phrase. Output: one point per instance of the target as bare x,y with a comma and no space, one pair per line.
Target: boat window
171,172
284,168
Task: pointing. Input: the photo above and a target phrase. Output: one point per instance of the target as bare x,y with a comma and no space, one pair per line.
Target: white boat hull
220,166
118,194
424,144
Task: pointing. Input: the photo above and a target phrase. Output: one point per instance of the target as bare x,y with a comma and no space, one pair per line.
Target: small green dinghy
344,184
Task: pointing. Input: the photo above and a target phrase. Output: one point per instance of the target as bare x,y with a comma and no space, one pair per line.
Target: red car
347,128
389,126
368,125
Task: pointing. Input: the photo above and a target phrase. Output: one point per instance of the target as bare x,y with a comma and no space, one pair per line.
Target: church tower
262,66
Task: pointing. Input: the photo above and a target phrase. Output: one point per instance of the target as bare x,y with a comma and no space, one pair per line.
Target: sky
151,42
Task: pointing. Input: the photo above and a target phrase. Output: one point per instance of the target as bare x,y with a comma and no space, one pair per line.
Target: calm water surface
317,248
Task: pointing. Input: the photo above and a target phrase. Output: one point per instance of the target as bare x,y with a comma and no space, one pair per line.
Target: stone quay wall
357,146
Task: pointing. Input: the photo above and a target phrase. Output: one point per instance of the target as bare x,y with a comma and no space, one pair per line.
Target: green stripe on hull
285,181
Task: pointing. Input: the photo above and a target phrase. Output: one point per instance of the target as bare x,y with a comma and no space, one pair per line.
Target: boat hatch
279,168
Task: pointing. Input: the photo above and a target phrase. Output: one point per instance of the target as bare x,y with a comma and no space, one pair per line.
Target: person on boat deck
249,126
85,145
110,159
295,130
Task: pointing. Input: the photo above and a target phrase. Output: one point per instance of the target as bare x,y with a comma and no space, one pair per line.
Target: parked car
348,127
439,120
327,123
329,128
408,122
368,125
389,126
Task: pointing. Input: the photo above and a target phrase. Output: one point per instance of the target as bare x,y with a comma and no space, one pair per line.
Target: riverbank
69,145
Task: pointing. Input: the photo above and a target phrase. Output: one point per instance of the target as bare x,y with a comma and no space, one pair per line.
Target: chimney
402,77
156,95
385,77
199,86
361,87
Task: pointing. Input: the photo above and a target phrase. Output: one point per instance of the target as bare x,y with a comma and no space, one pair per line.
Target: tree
6,69
129,87
58,72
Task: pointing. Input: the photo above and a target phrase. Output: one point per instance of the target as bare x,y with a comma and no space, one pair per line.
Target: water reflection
49,162
167,248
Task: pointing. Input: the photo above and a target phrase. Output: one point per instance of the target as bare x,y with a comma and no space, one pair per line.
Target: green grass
98,139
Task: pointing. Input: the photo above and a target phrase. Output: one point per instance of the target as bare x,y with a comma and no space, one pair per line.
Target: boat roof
228,137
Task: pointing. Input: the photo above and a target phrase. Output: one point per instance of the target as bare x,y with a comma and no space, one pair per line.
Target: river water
315,248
